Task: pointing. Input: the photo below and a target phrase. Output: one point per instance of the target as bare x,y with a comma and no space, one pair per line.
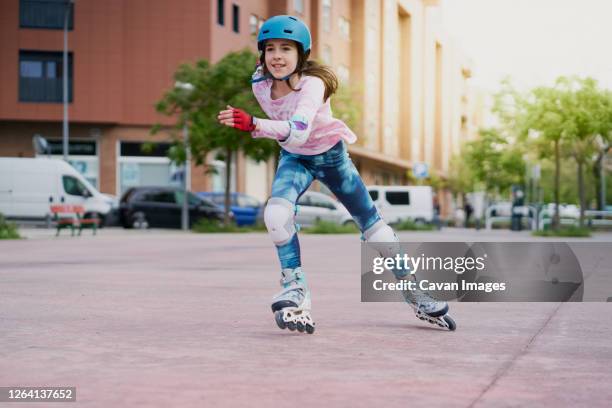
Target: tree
460,179
345,107
494,162
214,87
572,115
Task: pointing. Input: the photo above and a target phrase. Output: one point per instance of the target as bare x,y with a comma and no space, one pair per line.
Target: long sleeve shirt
300,121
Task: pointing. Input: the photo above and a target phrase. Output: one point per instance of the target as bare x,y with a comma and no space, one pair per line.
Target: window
166,197
235,18
220,12
373,195
327,54
323,203
345,28
219,199
326,15
246,201
83,157
298,6
193,199
253,20
48,14
343,74
255,24
398,197
82,148
145,167
139,149
41,76
73,186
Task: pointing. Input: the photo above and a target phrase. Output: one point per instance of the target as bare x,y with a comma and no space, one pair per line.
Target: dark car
144,207
244,207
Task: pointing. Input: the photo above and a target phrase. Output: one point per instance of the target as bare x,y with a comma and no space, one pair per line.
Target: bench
73,217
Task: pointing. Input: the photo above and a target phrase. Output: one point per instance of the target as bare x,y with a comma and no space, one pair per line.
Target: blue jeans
333,168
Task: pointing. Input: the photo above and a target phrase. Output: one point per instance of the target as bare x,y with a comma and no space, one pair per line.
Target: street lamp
67,7
187,88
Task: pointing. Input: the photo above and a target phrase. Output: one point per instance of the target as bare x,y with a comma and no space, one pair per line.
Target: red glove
242,120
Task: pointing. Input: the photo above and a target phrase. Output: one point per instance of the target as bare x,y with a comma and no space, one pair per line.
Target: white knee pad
385,242
380,232
279,218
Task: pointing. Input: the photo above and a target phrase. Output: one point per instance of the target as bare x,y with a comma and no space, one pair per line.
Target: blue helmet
287,27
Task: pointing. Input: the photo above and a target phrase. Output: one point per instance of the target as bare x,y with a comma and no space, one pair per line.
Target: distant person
468,212
294,92
518,204
436,210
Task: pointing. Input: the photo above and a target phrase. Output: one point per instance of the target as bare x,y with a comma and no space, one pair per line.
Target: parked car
161,207
29,186
313,206
244,207
400,203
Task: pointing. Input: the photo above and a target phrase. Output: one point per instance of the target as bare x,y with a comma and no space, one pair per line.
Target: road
165,318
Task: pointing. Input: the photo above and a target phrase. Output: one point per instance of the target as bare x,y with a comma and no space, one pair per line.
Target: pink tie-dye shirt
300,121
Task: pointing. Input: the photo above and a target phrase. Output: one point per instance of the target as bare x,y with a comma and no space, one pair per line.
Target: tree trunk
581,193
228,177
555,223
597,176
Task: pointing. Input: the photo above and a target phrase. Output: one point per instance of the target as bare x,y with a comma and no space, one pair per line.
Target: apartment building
410,83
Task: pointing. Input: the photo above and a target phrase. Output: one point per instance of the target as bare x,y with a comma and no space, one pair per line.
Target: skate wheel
451,323
278,317
300,327
309,329
291,326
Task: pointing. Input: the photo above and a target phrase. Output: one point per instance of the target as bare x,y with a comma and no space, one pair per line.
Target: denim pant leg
339,174
291,180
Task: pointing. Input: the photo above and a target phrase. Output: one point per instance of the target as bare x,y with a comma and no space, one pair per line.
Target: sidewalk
165,318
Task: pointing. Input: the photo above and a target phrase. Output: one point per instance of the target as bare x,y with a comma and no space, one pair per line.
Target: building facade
411,84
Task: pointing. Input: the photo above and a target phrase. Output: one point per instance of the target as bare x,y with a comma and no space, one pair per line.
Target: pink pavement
167,319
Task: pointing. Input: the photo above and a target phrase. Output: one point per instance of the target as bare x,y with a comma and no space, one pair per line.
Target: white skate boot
428,308
386,243
291,306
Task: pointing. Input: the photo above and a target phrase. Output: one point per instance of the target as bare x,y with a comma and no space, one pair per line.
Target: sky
533,41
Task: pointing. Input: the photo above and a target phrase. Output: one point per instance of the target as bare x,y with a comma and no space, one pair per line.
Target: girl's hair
308,67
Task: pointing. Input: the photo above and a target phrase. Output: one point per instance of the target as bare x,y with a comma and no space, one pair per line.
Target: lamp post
187,87
67,7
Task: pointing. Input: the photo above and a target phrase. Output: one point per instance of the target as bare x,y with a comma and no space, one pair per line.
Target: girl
295,93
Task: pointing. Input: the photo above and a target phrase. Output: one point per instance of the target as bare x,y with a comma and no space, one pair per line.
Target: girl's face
281,57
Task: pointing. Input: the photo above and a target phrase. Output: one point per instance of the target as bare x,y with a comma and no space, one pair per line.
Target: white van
399,203
29,186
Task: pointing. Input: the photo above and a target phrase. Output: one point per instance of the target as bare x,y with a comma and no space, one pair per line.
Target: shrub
8,230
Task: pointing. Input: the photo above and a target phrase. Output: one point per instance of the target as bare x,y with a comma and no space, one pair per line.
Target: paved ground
161,319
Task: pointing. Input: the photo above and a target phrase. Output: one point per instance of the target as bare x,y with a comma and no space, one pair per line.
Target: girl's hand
236,118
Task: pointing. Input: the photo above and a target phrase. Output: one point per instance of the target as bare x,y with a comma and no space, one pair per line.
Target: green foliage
570,231
460,179
8,230
409,225
210,226
326,227
494,162
345,106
